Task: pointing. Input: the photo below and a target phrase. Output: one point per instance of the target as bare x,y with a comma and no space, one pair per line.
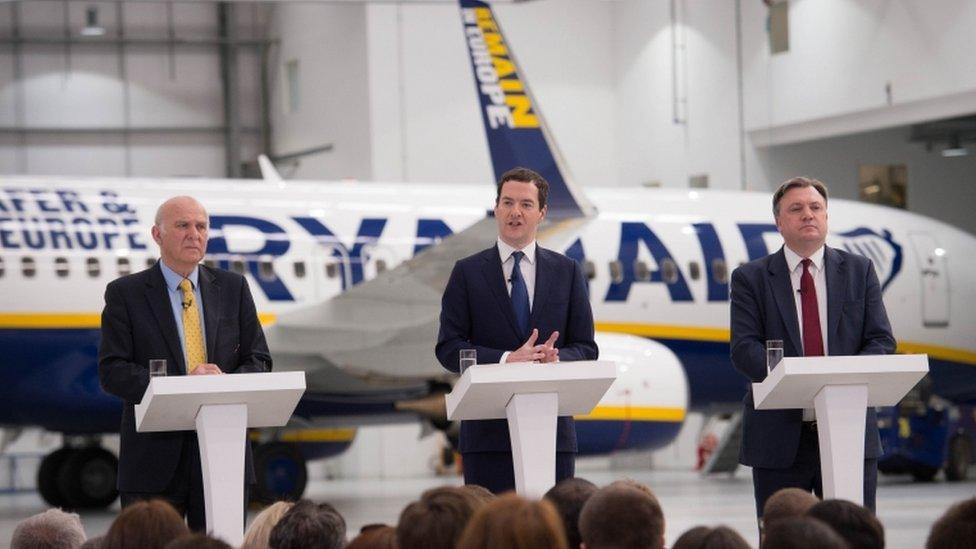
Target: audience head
703,537
93,543
956,528
787,503
197,541
375,536
436,519
512,522
309,524
569,496
856,524
257,533
52,529
802,533
483,494
146,524
622,516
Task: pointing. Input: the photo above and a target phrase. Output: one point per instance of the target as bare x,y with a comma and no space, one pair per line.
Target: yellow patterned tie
192,334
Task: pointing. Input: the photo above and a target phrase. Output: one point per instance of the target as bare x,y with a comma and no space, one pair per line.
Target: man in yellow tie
202,321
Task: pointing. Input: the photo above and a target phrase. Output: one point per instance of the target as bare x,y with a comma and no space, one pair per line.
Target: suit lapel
779,281
210,294
836,275
158,297
543,276
491,269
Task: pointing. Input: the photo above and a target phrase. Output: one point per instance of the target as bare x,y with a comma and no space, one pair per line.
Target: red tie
812,336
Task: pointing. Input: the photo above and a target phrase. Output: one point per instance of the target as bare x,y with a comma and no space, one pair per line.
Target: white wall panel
190,97
86,92
75,155
167,155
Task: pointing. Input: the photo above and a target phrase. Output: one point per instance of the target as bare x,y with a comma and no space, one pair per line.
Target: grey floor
907,509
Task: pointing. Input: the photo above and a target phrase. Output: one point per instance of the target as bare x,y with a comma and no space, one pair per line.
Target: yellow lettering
503,67
511,84
495,44
521,117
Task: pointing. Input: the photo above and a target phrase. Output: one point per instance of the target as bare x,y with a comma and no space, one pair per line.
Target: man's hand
206,369
530,352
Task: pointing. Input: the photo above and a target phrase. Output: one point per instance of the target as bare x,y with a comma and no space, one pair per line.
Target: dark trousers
496,472
185,489
805,474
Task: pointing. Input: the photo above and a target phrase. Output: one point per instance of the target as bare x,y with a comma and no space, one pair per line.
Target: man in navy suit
501,302
145,318
818,301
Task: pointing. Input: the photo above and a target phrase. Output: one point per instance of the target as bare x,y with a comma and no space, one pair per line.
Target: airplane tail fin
268,171
517,134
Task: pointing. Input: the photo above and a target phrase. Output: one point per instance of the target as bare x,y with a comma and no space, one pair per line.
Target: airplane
347,279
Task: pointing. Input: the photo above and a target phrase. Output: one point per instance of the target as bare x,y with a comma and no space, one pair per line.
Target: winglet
517,134
268,171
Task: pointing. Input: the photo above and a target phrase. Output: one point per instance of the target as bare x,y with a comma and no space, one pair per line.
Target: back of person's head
375,536
802,533
93,543
145,524
309,524
956,529
703,537
197,541
52,529
856,524
631,483
568,496
437,519
483,494
257,533
622,517
787,503
512,522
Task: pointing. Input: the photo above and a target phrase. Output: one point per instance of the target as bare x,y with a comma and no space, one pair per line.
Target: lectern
840,388
220,408
531,396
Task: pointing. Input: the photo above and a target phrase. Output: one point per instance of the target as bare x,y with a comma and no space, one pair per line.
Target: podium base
221,430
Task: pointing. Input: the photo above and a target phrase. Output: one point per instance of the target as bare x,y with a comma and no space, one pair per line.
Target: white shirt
526,266
794,263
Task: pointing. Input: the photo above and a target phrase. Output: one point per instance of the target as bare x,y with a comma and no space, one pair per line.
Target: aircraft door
935,280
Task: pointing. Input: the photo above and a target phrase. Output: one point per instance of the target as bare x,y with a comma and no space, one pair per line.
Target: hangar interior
662,93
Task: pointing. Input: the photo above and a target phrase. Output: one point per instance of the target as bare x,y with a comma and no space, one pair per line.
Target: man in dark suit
818,301
203,322
501,302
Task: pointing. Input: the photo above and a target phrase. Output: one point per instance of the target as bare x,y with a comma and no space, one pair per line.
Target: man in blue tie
503,302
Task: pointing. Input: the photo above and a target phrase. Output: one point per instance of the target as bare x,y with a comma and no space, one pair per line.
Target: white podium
531,396
840,388
221,408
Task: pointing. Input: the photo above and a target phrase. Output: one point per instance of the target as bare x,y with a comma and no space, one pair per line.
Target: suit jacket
764,307
476,312
138,325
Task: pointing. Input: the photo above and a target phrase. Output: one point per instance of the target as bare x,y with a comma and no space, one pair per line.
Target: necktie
192,333
812,336
520,296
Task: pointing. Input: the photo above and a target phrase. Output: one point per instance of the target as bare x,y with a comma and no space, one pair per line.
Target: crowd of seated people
574,514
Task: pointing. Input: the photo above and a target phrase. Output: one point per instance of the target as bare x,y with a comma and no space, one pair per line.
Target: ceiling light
92,28
955,148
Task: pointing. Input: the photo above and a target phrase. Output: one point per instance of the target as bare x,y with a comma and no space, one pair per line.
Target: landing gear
959,458
78,478
281,472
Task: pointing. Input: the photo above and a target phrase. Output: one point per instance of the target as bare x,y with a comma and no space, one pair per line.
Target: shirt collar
505,251
793,259
173,279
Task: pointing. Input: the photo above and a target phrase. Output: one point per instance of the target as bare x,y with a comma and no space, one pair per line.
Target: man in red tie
819,301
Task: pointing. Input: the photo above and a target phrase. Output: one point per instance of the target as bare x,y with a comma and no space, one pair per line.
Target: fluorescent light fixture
92,28
955,148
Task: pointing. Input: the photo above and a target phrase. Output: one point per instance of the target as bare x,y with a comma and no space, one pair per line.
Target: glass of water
774,353
157,367
469,357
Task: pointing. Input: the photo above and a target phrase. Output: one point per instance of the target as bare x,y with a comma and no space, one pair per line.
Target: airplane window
94,269
237,266
61,266
210,263
299,269
669,271
616,271
1,267
590,269
641,272
28,267
380,265
266,270
331,270
694,271
720,271
124,266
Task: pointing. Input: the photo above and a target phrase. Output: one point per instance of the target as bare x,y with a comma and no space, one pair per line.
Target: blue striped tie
520,296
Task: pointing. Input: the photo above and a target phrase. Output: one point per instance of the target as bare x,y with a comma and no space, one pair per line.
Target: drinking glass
469,357
157,367
774,353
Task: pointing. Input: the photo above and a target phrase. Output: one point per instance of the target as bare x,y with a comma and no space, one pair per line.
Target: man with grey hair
202,321
52,529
